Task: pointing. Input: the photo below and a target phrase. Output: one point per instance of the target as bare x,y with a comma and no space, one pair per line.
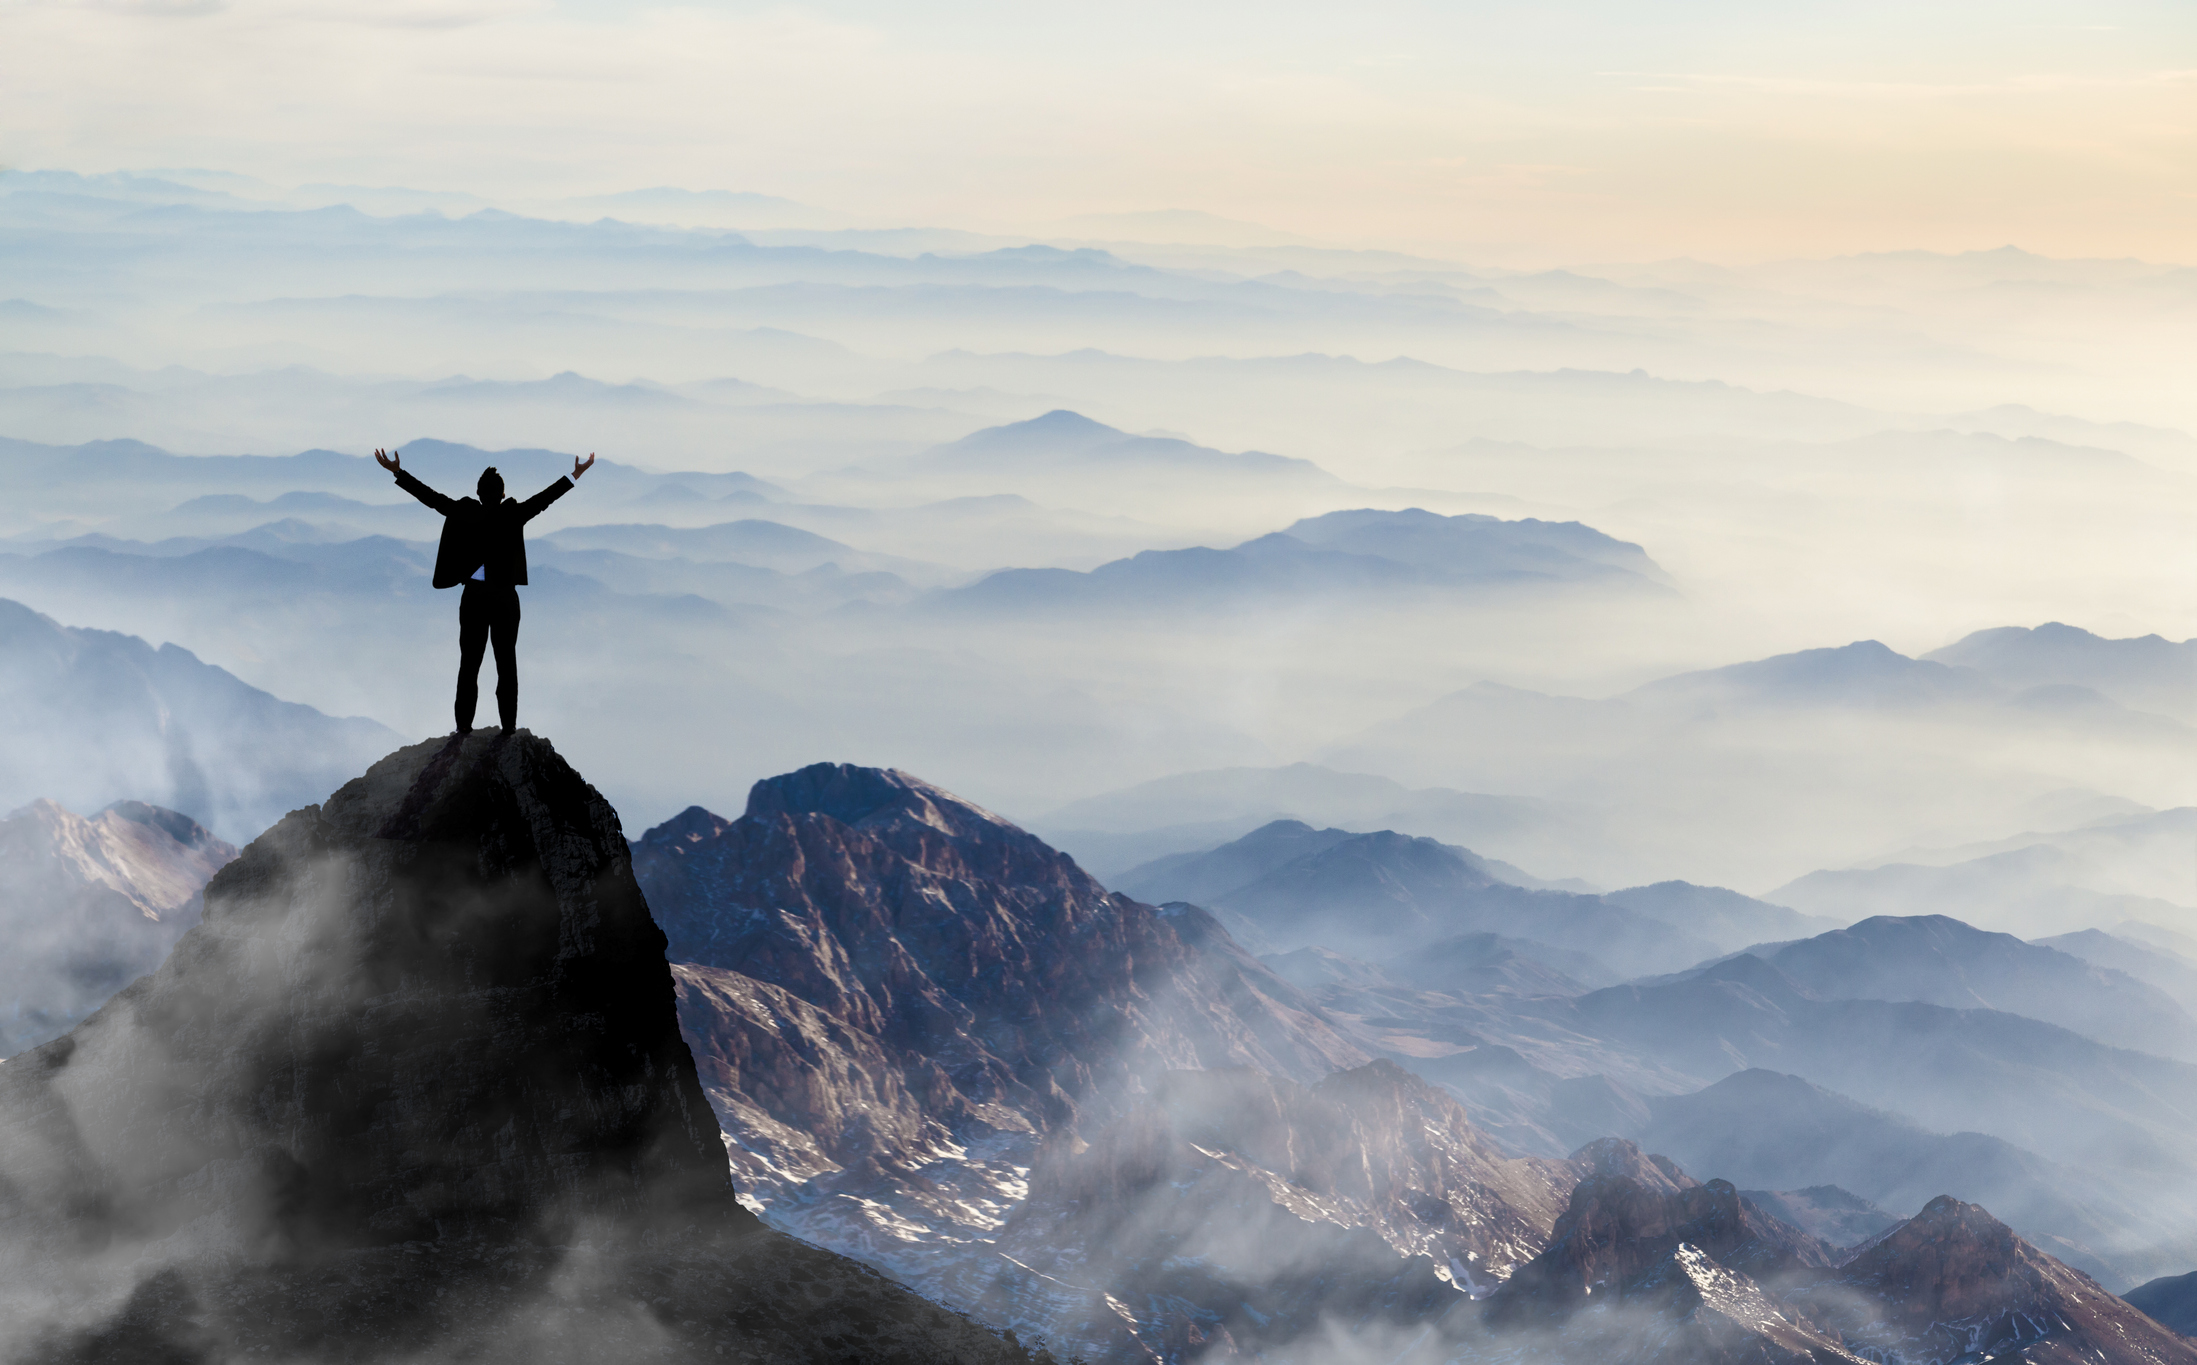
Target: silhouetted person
484,547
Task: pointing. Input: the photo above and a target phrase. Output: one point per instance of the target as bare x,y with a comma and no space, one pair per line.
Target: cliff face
413,1084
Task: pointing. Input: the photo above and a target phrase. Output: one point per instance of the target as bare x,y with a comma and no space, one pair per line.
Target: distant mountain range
1941,961
1762,1128
1187,814
97,717
1364,553
2148,673
2132,867
1865,746
1287,885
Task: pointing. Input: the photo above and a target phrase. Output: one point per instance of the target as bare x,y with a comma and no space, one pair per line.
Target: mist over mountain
941,1036
1339,555
2146,674
99,717
2154,964
1117,833
88,905
1858,739
1285,885
1942,961
2120,868
1762,1128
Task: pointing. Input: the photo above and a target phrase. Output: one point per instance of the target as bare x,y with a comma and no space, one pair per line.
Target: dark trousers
488,611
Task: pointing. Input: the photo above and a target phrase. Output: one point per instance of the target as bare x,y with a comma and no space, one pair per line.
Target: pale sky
1562,129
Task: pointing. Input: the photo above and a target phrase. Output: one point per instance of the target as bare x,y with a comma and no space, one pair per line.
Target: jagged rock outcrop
1622,1221
1955,1284
1684,1309
413,1088
88,905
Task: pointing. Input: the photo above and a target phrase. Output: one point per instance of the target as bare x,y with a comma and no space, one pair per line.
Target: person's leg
503,628
473,616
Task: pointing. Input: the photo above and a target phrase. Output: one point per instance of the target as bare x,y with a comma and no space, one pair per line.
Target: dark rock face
415,1081
1686,1307
1650,1265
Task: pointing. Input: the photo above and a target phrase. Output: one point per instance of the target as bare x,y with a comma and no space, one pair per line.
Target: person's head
491,487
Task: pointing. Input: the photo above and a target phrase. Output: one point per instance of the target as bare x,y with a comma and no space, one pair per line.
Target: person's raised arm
393,462
534,506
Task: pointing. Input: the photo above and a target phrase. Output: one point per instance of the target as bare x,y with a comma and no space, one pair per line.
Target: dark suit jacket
473,535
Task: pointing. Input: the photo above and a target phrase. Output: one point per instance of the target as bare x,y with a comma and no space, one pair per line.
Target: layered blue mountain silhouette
1353,553
96,717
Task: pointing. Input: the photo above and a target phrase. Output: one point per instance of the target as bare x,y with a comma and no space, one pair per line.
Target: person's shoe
464,730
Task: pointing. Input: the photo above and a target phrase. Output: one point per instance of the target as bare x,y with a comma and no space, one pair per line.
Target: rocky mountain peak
1621,1157
417,1072
455,935
1954,1283
1618,1225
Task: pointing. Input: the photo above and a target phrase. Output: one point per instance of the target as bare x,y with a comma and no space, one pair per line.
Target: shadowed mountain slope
1838,1217
1939,960
2170,1300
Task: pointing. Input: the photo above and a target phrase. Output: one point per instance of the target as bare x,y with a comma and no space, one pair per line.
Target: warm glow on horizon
1503,132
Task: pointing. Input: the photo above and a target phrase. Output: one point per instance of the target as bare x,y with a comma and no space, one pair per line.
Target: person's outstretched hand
388,462
579,468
